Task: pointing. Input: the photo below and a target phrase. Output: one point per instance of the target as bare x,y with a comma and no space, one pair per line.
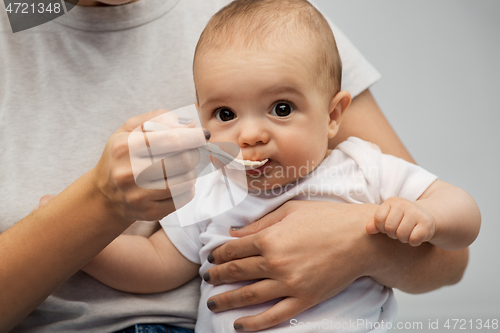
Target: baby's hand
43,200
404,220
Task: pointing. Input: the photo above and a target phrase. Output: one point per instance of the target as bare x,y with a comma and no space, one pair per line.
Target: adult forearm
416,269
45,248
364,119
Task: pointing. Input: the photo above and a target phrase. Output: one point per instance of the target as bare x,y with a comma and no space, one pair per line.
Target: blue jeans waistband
154,328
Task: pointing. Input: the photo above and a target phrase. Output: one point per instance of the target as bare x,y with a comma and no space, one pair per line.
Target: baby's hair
244,24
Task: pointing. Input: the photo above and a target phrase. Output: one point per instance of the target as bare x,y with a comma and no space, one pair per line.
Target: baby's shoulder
355,150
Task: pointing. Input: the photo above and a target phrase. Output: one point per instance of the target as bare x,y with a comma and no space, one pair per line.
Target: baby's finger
43,200
393,221
405,228
371,228
46,198
419,235
380,216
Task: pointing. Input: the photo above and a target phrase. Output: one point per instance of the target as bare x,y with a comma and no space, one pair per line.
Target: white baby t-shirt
355,172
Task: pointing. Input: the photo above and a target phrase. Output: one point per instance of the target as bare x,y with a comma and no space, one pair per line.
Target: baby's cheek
217,135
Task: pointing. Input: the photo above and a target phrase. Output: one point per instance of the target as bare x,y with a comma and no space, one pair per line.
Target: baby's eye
282,109
224,114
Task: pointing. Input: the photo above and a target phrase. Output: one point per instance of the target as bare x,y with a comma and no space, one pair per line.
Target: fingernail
238,327
207,133
206,276
211,258
184,120
238,227
211,304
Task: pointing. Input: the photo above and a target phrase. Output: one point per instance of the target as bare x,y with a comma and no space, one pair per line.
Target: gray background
440,65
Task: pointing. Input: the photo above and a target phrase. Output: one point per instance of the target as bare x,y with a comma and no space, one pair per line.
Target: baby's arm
142,265
444,215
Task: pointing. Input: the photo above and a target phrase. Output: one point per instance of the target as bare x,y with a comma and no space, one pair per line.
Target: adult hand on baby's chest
305,252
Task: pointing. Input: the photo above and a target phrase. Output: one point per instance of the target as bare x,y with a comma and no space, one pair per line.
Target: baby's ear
340,102
197,107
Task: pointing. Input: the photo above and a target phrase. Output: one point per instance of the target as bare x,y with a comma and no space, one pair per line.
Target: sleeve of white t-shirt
358,74
399,178
196,216
186,239
387,175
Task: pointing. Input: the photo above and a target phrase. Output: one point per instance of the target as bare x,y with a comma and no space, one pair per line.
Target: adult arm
45,248
329,239
364,119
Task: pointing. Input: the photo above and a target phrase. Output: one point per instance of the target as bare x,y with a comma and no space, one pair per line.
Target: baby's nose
253,133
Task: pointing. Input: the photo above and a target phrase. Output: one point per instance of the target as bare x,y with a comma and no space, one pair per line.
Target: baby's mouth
250,165
258,170
241,164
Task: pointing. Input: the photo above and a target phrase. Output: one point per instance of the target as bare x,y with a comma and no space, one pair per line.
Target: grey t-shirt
65,87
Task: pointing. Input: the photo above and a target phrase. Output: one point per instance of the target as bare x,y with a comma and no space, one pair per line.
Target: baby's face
269,105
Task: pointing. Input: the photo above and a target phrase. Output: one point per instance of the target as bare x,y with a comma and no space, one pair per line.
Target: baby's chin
256,183
269,185
270,178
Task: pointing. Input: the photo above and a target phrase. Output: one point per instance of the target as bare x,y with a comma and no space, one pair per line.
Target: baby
268,78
